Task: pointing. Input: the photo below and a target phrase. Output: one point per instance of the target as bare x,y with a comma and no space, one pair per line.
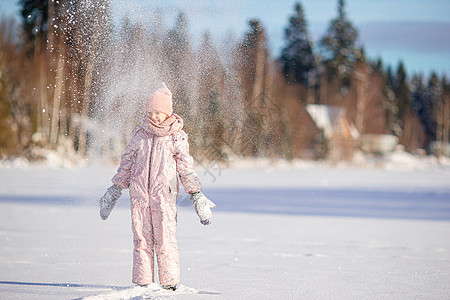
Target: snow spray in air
127,49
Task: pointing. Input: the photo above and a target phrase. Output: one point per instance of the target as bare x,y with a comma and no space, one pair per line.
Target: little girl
158,150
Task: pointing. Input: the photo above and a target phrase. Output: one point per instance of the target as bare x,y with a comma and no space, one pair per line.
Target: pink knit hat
160,99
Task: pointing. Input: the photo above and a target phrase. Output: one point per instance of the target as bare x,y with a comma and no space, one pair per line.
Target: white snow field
299,231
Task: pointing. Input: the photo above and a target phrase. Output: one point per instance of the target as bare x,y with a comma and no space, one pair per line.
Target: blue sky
414,31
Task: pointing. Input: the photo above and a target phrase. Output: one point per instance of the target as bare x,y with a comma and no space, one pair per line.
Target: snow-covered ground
304,230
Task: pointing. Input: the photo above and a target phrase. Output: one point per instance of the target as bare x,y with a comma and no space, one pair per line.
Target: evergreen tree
402,92
435,91
422,105
376,65
34,15
182,73
178,51
210,120
338,46
390,80
391,104
177,45
435,88
297,57
252,60
252,63
417,93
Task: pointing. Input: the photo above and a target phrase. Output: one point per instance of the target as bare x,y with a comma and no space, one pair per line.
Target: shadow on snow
425,205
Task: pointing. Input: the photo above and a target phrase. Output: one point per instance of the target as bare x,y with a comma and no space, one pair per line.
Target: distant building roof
328,118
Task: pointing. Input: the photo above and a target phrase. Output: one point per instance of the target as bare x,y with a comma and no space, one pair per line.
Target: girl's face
157,116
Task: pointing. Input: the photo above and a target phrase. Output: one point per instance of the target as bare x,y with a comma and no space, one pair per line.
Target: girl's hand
202,207
108,201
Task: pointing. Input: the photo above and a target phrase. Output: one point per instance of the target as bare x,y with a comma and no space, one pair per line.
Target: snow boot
169,287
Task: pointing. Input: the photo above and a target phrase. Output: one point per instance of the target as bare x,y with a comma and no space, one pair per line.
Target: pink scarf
172,124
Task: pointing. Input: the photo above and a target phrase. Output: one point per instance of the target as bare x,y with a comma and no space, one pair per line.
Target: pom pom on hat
160,99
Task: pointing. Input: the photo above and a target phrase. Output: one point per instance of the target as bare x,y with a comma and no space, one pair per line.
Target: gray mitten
108,200
202,207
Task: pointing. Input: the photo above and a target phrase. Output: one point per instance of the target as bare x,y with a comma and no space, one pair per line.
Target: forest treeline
73,81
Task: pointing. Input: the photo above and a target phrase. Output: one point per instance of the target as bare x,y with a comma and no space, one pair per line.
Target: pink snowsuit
149,169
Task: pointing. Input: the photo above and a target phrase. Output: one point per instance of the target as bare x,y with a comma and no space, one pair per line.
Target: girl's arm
122,177
189,179
185,164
